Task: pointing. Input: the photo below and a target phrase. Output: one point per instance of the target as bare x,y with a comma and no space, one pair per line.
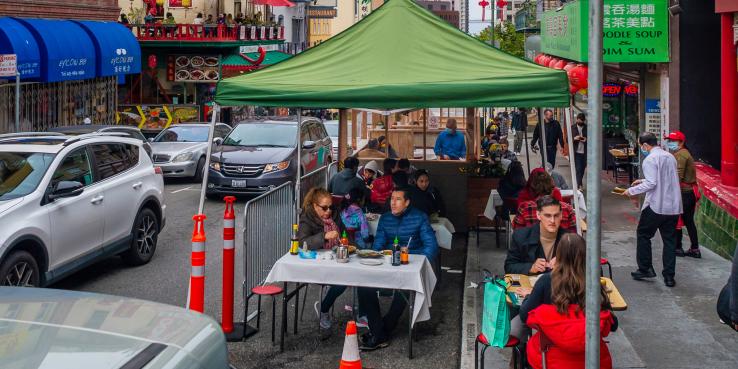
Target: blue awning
16,39
67,52
118,51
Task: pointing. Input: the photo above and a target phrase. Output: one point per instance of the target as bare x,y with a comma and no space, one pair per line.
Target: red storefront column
729,102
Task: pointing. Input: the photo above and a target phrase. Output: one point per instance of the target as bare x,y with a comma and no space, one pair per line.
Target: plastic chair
267,290
512,342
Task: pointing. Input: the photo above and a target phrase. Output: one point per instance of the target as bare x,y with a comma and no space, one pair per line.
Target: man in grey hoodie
345,180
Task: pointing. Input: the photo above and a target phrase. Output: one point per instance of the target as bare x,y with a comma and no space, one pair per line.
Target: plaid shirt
527,215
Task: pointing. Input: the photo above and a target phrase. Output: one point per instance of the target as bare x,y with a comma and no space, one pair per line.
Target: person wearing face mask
660,211
579,133
687,183
450,144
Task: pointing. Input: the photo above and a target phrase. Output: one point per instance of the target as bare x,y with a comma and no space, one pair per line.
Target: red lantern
560,64
543,60
573,89
552,62
578,76
569,67
501,3
537,59
483,4
152,61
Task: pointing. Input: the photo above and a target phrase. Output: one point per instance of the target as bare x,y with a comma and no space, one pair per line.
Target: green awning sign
635,31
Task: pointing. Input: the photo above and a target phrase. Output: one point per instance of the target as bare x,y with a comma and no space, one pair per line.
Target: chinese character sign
8,65
633,31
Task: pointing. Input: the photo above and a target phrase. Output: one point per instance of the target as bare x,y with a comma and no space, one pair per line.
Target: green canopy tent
400,56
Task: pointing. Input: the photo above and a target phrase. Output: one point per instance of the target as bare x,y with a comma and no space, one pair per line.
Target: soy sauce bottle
396,253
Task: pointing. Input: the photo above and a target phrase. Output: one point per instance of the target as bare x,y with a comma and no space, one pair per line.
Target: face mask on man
672,146
644,152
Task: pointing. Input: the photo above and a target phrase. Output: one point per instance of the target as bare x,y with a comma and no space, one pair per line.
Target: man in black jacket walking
579,136
554,135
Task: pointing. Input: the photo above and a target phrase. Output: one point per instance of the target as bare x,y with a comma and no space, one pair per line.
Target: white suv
66,202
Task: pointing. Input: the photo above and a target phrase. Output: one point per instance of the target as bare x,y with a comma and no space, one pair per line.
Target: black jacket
575,132
519,121
346,180
727,304
428,201
554,134
311,229
525,248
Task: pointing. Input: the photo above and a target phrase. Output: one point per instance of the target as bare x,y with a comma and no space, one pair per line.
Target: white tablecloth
416,276
493,201
443,227
582,213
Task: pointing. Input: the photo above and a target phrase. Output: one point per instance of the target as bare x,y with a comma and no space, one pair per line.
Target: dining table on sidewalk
416,277
516,281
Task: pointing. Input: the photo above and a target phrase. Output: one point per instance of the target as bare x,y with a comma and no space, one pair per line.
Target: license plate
238,183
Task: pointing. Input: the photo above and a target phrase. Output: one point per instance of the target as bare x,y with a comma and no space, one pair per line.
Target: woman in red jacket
382,186
555,309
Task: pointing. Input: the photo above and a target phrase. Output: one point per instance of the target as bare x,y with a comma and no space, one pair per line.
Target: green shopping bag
495,312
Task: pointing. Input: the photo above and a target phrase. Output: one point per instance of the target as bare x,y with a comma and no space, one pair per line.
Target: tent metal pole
425,133
386,136
298,170
542,138
572,166
211,133
594,164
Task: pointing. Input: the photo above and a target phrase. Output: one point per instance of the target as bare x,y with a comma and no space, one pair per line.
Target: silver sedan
180,149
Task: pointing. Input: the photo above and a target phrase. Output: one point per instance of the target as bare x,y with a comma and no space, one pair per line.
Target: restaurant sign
634,31
322,12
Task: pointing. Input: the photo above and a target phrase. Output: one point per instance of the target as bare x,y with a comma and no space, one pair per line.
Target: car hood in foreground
6,205
252,154
45,328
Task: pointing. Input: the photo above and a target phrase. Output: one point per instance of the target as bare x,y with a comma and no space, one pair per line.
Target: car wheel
20,269
200,170
145,234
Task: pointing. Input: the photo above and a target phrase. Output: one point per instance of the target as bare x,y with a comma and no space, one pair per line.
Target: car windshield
184,134
332,129
21,172
262,134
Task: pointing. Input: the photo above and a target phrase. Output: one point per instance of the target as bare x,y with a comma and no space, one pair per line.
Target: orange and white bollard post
229,244
197,276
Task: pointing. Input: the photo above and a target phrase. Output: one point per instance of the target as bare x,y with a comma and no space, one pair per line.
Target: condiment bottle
396,253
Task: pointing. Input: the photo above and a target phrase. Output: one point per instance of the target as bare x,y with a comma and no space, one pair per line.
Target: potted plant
483,175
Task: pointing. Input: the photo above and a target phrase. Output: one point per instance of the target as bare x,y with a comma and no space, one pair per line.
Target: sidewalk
662,328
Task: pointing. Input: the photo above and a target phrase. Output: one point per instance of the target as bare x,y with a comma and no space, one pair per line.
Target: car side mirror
66,189
151,139
307,144
218,141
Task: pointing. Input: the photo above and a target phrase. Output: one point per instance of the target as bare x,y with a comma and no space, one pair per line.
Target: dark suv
260,155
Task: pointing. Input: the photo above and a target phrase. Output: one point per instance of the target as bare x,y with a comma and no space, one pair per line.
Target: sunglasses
325,208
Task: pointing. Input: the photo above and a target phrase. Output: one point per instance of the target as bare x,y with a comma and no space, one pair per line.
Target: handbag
495,312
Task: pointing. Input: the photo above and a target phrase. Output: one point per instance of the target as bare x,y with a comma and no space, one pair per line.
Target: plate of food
197,75
211,61
182,75
212,75
182,61
372,262
197,61
371,216
368,254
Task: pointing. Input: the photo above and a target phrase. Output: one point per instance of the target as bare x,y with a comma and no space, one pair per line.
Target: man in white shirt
661,208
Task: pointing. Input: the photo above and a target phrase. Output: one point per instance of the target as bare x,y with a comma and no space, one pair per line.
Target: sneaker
372,343
362,322
679,252
640,274
325,320
694,253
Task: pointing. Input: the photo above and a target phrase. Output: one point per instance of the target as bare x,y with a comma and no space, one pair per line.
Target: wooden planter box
477,194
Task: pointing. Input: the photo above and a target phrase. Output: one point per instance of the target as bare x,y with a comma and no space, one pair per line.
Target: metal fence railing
330,172
316,178
266,234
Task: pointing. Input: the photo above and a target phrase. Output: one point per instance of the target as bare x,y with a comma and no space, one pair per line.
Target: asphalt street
165,280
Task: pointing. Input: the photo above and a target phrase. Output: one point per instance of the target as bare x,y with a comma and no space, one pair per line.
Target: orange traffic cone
350,358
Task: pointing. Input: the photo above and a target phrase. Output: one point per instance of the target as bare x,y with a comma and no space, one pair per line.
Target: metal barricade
316,178
330,172
266,234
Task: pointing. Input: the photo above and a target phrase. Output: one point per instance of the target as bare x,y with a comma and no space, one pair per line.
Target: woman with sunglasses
321,229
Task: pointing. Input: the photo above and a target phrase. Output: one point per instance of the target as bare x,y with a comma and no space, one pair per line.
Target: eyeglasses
325,208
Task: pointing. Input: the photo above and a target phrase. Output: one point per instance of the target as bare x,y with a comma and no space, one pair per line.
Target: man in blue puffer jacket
402,222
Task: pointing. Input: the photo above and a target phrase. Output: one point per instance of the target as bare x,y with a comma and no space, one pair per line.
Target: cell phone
516,283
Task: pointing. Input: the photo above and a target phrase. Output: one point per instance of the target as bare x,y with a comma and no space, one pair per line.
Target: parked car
332,127
66,202
260,155
45,328
128,131
180,149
